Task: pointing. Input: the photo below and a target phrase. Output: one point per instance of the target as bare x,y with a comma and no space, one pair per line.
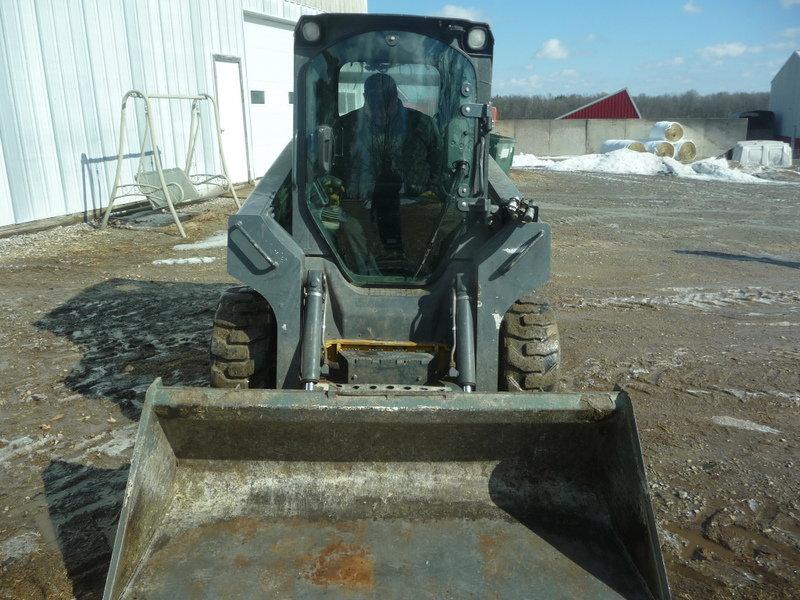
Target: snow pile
628,162
619,161
121,440
20,446
726,421
218,240
18,547
191,260
717,169
530,161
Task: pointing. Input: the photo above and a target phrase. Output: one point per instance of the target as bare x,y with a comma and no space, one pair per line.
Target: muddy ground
685,293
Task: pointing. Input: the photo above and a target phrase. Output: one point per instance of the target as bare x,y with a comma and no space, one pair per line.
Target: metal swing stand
164,188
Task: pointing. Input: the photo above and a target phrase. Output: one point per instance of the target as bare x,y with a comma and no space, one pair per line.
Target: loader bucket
298,494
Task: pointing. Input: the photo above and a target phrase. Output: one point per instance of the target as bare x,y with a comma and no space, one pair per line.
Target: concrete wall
545,137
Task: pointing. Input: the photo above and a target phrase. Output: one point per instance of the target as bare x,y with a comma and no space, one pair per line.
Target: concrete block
533,136
600,130
637,129
567,137
504,127
714,137
763,153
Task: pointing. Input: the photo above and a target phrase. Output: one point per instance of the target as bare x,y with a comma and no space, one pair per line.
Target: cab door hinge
483,112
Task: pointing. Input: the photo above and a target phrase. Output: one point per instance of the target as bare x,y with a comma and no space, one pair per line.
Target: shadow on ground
130,332
84,503
768,260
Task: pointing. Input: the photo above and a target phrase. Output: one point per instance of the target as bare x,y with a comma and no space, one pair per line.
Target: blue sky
651,47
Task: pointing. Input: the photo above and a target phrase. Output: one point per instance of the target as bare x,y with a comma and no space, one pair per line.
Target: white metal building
784,101
65,65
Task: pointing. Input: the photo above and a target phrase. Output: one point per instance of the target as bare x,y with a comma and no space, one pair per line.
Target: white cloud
675,61
720,51
562,80
529,83
590,38
791,32
789,45
454,11
552,49
692,7
788,3
771,65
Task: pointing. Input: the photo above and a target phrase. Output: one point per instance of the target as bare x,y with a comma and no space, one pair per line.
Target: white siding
269,53
294,10
6,210
64,67
784,97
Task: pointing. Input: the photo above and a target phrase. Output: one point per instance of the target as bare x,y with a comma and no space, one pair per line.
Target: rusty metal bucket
295,494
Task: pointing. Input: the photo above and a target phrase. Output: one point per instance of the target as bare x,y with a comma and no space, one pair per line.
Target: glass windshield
385,108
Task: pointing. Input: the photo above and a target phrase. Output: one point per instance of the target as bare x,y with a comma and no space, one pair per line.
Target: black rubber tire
530,350
243,341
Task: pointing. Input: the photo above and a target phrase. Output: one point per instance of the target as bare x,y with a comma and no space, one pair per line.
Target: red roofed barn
618,105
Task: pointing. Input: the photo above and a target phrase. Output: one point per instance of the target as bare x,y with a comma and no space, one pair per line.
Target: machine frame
495,265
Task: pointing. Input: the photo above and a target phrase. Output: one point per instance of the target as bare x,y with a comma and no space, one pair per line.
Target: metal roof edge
793,56
625,89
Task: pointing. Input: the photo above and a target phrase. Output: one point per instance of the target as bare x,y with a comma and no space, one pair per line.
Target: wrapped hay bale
666,130
611,145
660,148
685,151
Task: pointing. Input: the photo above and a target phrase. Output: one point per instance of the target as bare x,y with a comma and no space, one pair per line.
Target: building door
269,60
230,103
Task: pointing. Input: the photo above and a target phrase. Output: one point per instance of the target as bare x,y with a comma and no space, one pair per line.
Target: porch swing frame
177,186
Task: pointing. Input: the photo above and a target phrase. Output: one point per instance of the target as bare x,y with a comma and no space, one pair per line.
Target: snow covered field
628,162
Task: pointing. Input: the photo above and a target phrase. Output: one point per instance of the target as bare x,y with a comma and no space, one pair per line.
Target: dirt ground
685,293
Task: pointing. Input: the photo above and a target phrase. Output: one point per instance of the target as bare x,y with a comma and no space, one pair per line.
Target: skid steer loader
382,421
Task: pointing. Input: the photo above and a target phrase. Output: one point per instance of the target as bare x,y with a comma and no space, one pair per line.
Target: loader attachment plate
296,494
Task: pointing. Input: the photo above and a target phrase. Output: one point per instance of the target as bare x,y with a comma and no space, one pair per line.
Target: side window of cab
282,204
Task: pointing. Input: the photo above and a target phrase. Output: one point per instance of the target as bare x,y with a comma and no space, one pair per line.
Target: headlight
476,38
311,31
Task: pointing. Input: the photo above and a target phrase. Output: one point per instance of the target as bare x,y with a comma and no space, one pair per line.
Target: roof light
476,38
311,31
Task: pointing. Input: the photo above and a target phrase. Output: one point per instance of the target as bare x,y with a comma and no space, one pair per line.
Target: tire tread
530,350
241,339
